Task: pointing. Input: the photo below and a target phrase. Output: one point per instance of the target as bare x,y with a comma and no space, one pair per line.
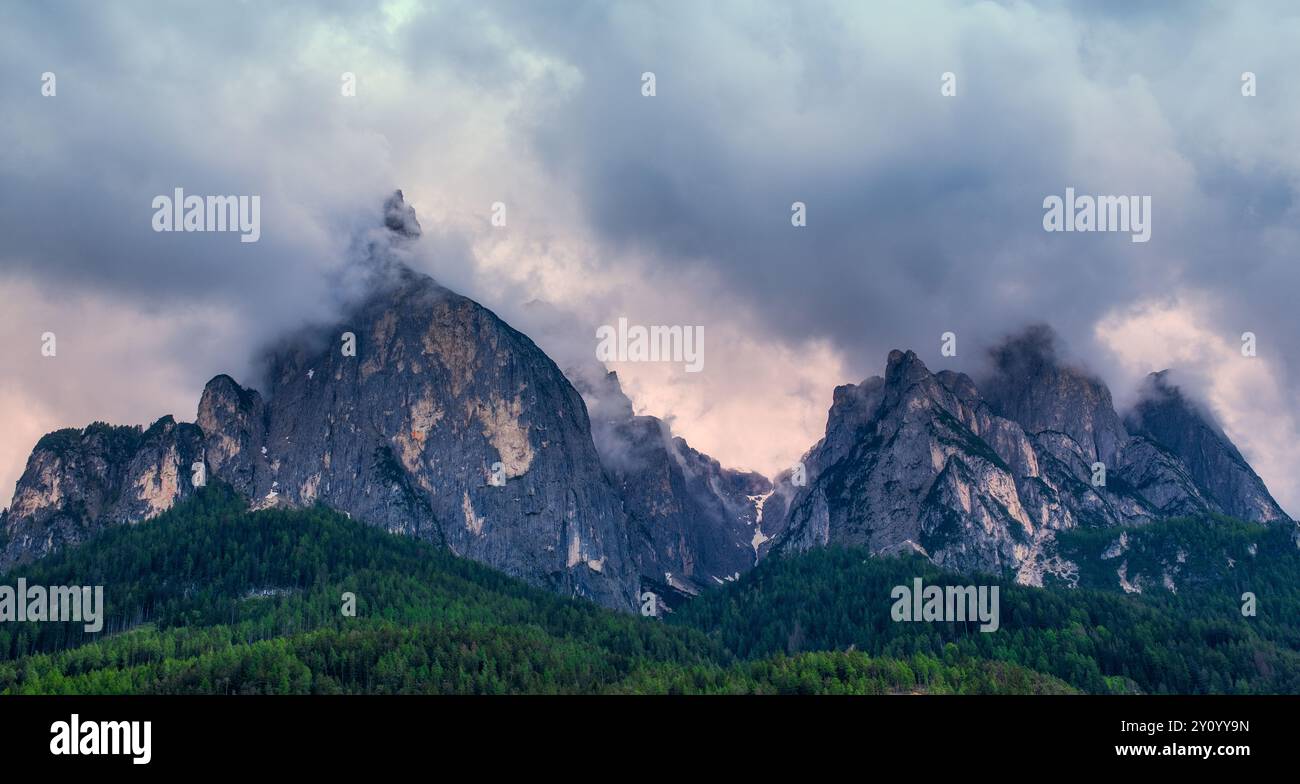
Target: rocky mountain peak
77,481
982,475
606,401
903,368
400,216
901,464
1167,416
852,406
443,423
232,419
1031,385
1160,392
223,397
422,412
692,523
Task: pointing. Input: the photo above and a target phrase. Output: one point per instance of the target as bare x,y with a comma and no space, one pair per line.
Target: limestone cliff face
900,469
233,420
79,481
1031,387
446,425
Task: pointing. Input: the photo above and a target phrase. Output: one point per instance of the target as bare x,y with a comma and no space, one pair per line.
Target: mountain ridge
981,476
423,413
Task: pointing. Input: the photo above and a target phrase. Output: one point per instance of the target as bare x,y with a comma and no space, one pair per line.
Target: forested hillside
210,598
1193,641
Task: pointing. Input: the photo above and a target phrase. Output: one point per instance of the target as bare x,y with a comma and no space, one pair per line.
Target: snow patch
759,537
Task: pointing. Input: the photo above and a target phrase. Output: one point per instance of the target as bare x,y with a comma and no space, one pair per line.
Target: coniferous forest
210,598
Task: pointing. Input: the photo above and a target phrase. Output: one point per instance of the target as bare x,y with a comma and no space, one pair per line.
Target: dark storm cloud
148,102
217,101
924,212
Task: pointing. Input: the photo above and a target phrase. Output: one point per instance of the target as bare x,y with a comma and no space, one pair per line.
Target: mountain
982,477
447,425
692,523
78,481
898,470
1173,421
422,413
1032,387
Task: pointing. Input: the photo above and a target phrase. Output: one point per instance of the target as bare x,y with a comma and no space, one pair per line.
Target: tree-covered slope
1195,641
845,672
210,598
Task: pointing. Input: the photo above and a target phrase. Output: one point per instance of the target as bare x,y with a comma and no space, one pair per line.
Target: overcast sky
924,211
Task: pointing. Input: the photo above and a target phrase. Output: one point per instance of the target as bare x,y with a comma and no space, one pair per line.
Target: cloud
924,212
1245,394
112,363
